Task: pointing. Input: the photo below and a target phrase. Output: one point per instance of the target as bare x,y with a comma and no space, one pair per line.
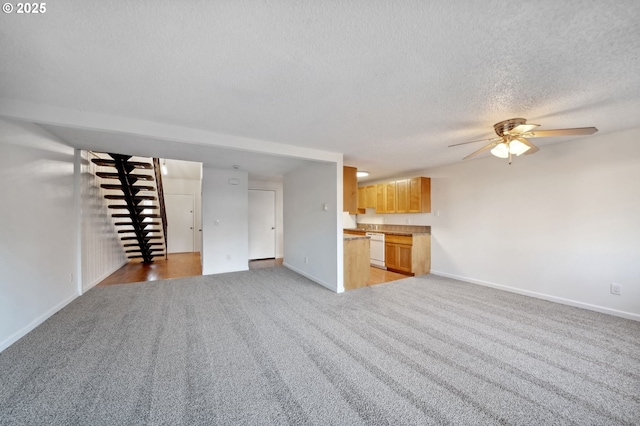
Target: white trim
36,322
312,278
542,296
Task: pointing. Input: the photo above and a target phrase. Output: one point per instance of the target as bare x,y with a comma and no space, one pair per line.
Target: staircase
138,207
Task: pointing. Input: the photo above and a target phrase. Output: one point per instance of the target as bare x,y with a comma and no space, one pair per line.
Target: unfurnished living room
443,199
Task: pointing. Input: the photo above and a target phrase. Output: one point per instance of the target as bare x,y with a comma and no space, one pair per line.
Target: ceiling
388,84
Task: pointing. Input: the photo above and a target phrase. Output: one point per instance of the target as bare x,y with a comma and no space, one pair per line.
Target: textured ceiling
389,84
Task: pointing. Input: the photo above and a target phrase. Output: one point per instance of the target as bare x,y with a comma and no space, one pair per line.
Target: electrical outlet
616,289
306,260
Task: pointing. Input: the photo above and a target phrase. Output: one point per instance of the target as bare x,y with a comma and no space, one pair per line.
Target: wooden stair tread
153,237
133,187
149,244
131,223
124,206
111,163
135,197
142,215
111,175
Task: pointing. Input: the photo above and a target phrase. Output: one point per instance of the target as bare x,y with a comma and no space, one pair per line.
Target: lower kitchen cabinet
398,257
408,254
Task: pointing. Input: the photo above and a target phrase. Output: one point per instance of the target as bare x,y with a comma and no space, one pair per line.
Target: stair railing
163,210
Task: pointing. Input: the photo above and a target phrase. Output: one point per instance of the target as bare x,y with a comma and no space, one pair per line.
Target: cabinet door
381,198
390,203
420,195
371,196
349,190
361,198
403,256
402,196
390,255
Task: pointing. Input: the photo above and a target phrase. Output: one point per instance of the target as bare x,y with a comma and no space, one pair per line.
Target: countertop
380,231
349,237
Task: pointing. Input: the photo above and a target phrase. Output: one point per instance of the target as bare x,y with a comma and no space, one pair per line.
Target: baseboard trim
311,277
36,322
543,296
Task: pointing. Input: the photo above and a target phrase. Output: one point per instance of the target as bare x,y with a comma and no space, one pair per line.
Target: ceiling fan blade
562,132
484,148
532,148
523,128
479,140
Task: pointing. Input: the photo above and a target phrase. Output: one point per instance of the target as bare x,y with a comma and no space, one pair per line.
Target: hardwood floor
379,276
175,266
188,264
265,263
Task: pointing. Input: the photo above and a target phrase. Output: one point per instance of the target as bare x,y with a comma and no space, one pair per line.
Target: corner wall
313,243
225,221
38,228
561,225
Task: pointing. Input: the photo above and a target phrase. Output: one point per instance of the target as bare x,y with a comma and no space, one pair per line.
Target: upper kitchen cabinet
401,196
370,191
413,195
381,198
349,190
366,198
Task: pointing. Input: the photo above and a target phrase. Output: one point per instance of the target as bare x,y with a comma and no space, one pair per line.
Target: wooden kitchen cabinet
419,199
402,196
413,195
408,254
349,190
390,197
370,196
381,198
398,257
366,197
356,263
361,199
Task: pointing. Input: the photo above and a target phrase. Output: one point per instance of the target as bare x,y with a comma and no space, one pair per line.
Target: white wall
277,187
102,253
225,221
311,232
562,224
189,187
38,233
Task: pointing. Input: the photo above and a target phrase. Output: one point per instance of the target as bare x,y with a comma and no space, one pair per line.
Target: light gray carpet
268,346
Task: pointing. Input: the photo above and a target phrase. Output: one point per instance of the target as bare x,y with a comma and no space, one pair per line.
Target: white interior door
180,222
262,224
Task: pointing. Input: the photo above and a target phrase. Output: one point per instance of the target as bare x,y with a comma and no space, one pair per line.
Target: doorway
180,222
262,224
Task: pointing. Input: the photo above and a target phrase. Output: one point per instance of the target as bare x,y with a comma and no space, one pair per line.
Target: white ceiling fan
513,135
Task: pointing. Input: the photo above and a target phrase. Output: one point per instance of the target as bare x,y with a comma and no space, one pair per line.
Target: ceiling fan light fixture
513,137
501,150
518,148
